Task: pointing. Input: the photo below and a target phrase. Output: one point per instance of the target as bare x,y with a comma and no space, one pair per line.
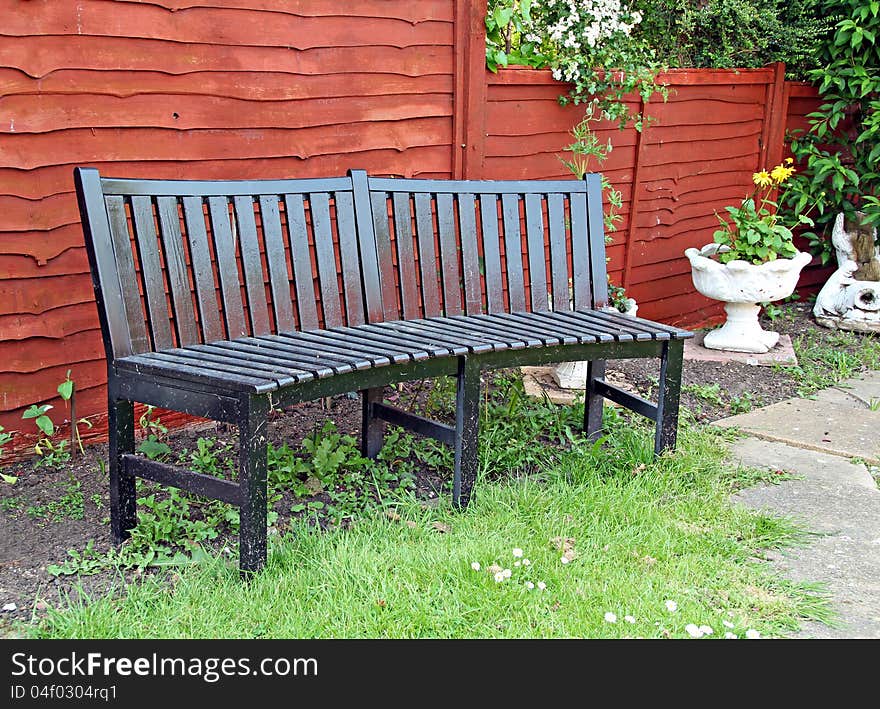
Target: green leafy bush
841,150
734,33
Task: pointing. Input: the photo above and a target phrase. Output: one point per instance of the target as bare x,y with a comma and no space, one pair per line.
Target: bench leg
123,495
372,428
593,402
668,396
252,481
467,423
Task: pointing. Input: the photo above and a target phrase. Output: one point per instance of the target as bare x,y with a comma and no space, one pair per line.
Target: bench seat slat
479,334
607,320
393,330
503,323
555,319
321,355
147,364
617,333
471,342
335,347
313,355
528,324
620,319
243,348
508,332
241,368
411,328
512,342
572,335
370,338
236,363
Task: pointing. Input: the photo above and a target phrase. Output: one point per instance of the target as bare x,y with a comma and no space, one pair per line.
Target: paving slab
865,388
782,354
839,502
816,425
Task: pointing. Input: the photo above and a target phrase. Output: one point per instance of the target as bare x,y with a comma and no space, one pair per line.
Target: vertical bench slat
125,278
467,224
276,259
252,264
203,270
427,255
367,245
513,252
175,262
319,203
294,208
348,251
558,264
151,270
537,262
227,267
448,255
598,267
403,239
580,252
491,252
379,201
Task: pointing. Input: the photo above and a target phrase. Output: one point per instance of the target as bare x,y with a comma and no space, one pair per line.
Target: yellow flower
789,161
780,173
762,179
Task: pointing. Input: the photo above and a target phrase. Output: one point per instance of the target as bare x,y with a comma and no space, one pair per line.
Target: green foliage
153,446
506,25
755,232
4,439
40,418
69,506
841,150
734,33
587,44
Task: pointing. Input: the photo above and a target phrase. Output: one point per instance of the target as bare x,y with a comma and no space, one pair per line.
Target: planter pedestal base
742,332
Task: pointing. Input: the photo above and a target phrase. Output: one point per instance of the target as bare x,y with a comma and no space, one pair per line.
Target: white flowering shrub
587,43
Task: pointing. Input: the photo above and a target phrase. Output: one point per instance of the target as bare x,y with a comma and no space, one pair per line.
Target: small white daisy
753,634
526,562
518,552
730,636
516,563
506,573
529,585
499,577
727,624
707,629
629,619
565,560
610,617
475,565
693,630
541,585
671,606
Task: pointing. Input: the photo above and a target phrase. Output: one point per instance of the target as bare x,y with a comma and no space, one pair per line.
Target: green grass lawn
643,537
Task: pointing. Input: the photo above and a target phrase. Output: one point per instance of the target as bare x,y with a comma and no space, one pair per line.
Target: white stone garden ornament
850,298
752,261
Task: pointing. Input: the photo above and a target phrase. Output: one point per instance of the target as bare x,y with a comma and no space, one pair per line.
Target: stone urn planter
741,286
573,375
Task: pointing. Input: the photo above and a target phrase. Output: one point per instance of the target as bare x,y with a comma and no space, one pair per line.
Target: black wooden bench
222,299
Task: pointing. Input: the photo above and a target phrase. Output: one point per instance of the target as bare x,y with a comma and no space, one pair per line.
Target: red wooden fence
273,88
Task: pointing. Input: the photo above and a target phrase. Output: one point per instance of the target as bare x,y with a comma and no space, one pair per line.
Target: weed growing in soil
827,358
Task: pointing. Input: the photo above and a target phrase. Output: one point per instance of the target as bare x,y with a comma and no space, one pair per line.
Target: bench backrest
180,262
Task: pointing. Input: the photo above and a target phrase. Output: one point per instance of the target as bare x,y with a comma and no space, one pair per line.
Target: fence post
775,113
470,88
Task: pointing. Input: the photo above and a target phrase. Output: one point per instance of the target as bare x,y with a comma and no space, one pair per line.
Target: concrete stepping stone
825,426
